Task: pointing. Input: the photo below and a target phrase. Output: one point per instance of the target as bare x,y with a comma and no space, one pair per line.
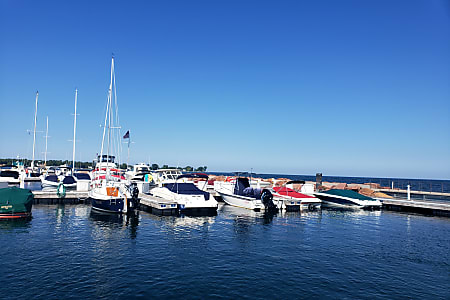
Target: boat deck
158,206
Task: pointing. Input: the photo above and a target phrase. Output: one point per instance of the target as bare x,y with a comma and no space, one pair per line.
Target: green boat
15,203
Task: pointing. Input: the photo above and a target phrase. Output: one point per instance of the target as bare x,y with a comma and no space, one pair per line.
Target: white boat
50,182
140,174
109,190
240,194
190,199
347,198
290,199
10,175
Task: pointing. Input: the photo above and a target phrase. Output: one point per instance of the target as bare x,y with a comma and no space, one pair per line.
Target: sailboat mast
110,113
46,138
34,131
74,131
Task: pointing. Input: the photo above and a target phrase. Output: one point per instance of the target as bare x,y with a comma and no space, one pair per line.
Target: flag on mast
127,135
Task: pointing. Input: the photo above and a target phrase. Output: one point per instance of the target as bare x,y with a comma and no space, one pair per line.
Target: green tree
155,167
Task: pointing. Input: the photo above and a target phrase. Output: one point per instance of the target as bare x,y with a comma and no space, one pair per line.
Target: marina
225,150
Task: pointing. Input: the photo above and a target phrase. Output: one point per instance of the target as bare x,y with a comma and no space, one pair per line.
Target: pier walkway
441,208
51,197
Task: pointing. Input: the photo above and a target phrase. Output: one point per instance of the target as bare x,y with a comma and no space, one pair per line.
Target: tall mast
74,131
34,131
46,137
106,115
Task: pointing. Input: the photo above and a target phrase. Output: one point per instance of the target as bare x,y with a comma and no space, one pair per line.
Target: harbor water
69,251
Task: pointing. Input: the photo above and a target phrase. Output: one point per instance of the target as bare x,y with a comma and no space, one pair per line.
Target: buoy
61,190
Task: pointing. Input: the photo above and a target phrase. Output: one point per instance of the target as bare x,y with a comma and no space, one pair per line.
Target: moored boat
347,198
109,190
15,203
240,194
190,198
291,199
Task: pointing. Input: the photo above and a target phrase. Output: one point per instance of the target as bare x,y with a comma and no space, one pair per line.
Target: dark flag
127,135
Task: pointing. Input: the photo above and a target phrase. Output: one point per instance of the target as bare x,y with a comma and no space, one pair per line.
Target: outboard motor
134,192
266,198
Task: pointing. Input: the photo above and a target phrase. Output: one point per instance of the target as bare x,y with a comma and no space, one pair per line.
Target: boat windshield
142,169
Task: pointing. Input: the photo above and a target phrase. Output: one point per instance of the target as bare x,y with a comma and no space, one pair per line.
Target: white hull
346,202
296,203
185,201
241,201
53,186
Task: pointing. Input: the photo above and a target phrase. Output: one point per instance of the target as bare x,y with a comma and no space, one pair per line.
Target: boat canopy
296,182
15,200
68,180
241,184
290,192
82,176
9,173
348,194
193,175
52,178
186,188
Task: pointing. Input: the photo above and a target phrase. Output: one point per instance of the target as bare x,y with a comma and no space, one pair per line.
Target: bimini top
186,189
52,178
348,194
290,192
194,175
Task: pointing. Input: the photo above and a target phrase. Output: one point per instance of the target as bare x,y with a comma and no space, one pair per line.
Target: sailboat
109,189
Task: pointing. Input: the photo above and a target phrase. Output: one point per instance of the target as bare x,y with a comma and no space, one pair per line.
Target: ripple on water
71,252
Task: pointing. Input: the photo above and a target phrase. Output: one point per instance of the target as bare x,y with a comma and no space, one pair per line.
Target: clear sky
352,88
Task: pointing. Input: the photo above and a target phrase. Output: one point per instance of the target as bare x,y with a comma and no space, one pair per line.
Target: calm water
71,252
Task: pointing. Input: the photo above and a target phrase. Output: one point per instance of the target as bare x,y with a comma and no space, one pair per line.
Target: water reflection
10,224
110,221
246,216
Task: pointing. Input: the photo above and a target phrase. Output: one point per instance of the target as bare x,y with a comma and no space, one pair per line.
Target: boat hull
119,203
15,203
241,201
115,205
339,201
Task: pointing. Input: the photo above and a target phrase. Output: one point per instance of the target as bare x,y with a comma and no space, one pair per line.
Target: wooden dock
439,208
51,197
158,206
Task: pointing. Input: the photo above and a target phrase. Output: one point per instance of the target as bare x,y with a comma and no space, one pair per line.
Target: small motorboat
188,196
10,176
239,193
52,182
347,198
291,199
15,203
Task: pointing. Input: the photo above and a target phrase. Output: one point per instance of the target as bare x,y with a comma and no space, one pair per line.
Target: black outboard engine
134,192
266,198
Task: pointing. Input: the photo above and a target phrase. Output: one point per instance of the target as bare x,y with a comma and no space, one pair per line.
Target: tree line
88,165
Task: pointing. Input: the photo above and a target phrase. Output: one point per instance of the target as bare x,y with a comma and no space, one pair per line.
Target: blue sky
352,88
